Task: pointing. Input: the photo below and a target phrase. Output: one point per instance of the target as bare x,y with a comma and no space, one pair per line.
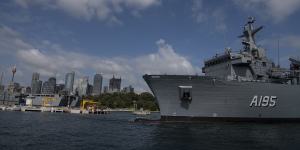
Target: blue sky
129,38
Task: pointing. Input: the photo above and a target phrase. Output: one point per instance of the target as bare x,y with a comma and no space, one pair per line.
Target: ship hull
220,100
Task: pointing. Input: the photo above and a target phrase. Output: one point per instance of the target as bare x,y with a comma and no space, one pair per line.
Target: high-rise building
69,82
1,89
28,90
35,76
114,84
1,86
59,88
89,89
97,86
82,87
49,86
36,84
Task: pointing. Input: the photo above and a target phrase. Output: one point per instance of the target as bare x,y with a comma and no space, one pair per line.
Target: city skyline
134,37
79,85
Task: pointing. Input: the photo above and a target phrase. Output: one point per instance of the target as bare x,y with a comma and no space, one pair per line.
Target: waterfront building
82,86
128,89
69,82
115,84
97,86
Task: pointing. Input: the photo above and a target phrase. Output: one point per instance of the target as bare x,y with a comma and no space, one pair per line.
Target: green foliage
126,100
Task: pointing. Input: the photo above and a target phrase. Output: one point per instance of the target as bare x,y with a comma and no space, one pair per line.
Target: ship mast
248,39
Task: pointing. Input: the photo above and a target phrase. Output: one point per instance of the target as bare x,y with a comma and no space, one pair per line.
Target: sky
130,38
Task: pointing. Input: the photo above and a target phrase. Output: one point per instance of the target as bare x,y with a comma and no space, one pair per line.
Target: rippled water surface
33,130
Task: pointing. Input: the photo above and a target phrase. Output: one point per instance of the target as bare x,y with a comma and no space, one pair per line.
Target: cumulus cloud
104,10
276,9
202,14
165,61
57,61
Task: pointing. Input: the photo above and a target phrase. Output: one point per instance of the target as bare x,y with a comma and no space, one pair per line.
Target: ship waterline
223,99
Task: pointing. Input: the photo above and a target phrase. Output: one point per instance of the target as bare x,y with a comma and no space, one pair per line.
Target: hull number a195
263,101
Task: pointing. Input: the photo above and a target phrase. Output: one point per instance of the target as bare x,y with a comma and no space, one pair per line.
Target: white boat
2,108
30,108
141,112
46,109
75,111
13,108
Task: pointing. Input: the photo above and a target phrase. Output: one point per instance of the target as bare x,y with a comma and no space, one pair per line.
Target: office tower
69,82
35,76
28,90
49,86
97,86
36,84
59,88
114,84
82,87
89,89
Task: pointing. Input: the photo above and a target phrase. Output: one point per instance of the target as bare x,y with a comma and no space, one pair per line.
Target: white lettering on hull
263,101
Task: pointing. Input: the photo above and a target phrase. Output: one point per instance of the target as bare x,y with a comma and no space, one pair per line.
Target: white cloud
278,10
103,10
166,60
203,14
58,61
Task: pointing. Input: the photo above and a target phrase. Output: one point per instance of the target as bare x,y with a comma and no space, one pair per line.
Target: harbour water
32,130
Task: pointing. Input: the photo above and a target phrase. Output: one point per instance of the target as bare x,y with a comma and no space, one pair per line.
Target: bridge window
185,93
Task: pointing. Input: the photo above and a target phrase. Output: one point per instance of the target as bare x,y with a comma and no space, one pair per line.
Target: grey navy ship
236,86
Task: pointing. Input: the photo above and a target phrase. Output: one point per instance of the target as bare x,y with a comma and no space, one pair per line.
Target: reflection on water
30,130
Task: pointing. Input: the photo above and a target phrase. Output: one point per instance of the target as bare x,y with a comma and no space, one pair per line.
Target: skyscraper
49,86
1,86
35,76
36,84
83,86
97,86
69,82
114,84
59,88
